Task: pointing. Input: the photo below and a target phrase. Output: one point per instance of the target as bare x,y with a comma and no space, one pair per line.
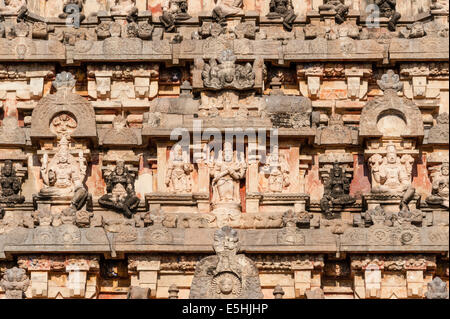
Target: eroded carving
440,186
178,178
173,10
10,185
227,275
338,6
227,8
282,9
15,282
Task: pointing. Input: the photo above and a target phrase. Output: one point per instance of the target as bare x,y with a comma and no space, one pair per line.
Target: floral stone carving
227,275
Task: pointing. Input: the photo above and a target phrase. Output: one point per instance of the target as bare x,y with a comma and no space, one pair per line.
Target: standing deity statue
64,175
226,173
440,189
10,185
282,9
392,174
178,172
336,191
387,10
226,8
277,169
121,195
173,10
338,6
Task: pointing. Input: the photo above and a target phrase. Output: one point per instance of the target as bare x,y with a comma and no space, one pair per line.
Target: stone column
307,274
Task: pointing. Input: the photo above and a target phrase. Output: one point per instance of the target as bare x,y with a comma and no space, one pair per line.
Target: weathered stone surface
228,274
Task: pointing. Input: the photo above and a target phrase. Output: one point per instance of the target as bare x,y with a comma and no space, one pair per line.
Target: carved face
63,158
444,170
228,154
226,285
120,168
391,157
7,169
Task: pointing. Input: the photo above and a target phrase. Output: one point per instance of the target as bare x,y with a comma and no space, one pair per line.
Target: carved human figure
73,8
226,8
125,7
178,172
15,282
120,195
387,10
10,185
392,174
173,10
337,5
336,191
440,187
226,173
64,175
277,169
282,9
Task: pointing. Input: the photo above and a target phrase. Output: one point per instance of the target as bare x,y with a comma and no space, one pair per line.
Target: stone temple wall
98,201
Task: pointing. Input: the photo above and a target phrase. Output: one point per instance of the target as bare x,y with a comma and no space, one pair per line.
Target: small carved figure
336,191
15,282
437,289
440,187
227,74
125,7
339,7
226,173
387,10
282,9
392,174
73,9
120,196
173,10
226,275
11,185
178,172
64,175
226,8
277,168
441,5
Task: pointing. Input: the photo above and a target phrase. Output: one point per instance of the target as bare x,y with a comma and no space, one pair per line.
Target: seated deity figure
226,172
338,6
387,10
178,172
64,175
440,189
120,196
278,171
11,185
336,191
173,10
392,174
282,9
125,7
226,8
